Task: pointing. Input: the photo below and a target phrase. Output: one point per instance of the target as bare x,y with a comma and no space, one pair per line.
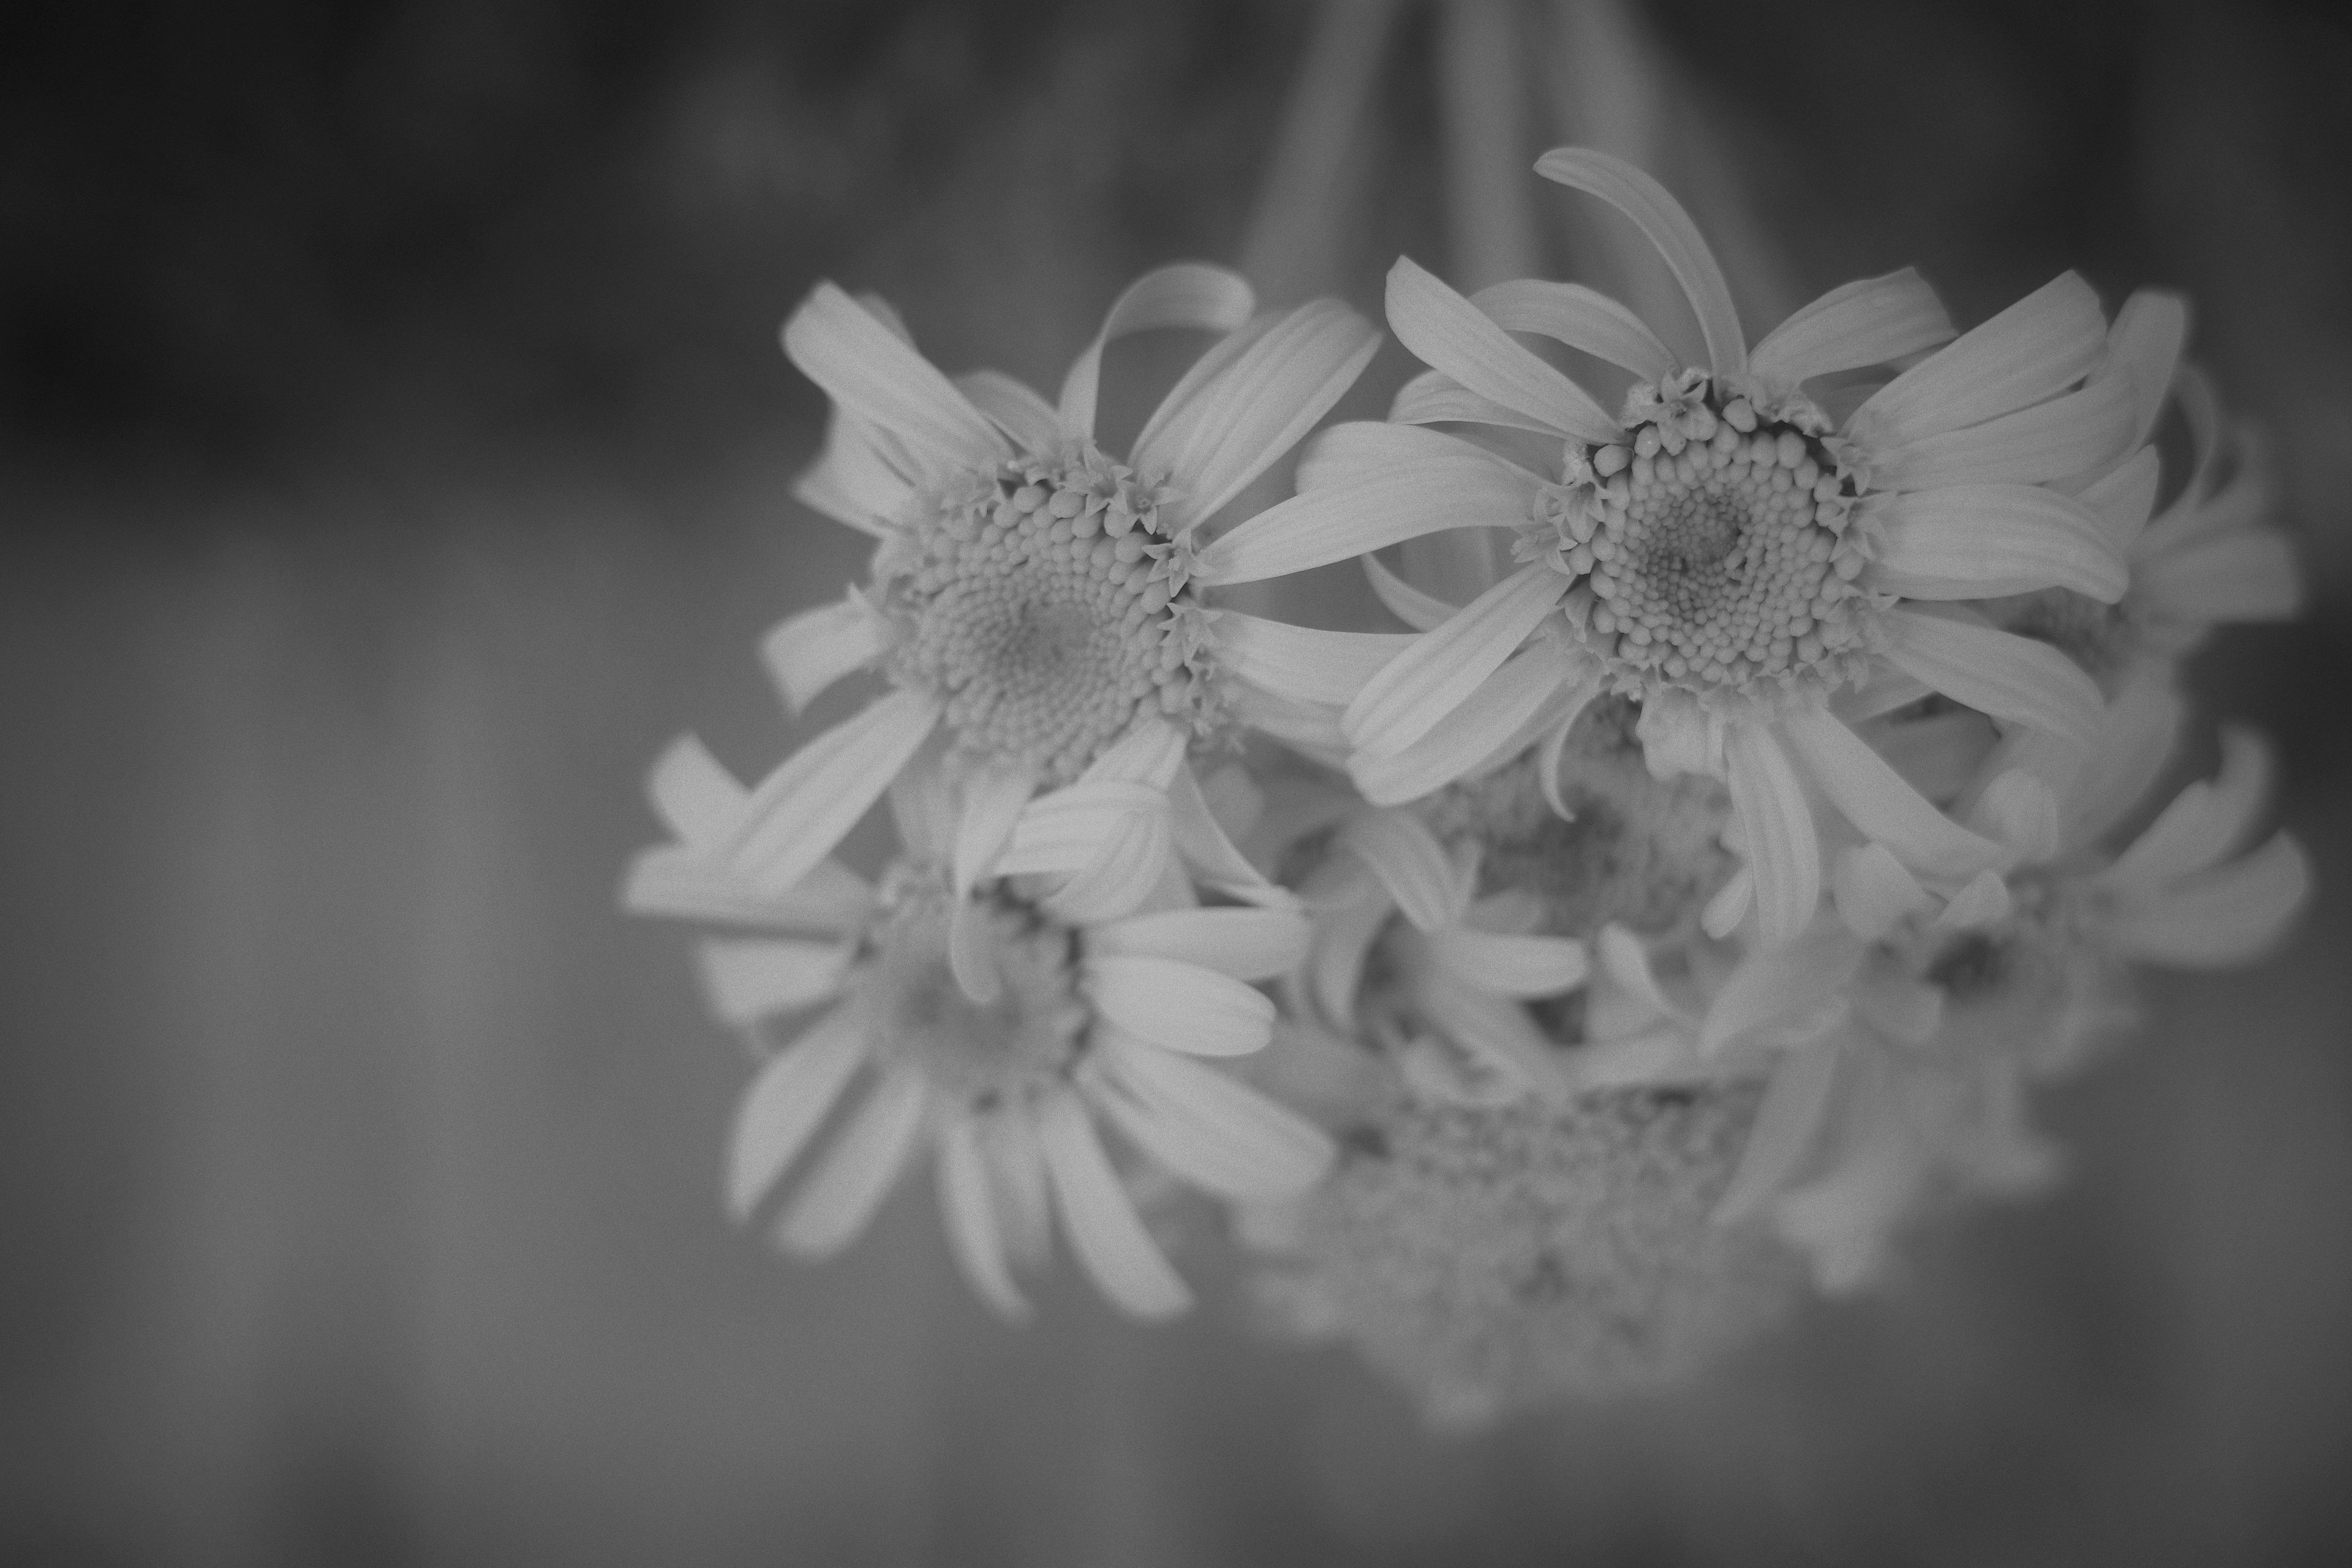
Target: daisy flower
1722,550
1033,601
1094,1015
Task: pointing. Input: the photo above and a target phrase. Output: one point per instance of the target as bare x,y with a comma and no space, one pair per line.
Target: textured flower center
1042,602
918,1015
1717,552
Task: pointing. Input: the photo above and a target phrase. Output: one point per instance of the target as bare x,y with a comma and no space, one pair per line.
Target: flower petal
1112,1245
2051,440
1537,689
1495,1027
1245,944
1421,612
694,794
1066,830
800,812
1296,663
1250,413
1434,397
2038,347
1012,408
1977,541
1411,692
1188,294
1450,335
674,881
1663,222
1582,319
1783,852
1796,1102
1876,799
1179,1006
1872,890
1400,851
968,1207
1370,508
1797,987
866,1160
746,981
1216,862
853,480
808,652
1213,1130
2222,918
866,369
786,1102
2136,738
1993,672
2248,575
2144,343
1504,965
2123,498
1874,321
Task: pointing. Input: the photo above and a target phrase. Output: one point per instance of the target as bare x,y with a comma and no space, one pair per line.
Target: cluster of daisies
1555,985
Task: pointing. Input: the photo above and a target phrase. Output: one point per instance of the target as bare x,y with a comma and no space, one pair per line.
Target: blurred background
393,447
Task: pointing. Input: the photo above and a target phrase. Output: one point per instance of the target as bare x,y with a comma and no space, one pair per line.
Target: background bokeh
392,454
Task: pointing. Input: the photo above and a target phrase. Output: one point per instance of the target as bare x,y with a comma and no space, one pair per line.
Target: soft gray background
395,456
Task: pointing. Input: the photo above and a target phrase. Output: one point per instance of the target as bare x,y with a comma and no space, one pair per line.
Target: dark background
392,454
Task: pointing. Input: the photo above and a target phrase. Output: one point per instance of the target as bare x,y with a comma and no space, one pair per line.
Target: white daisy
1033,600
1722,550
1093,1015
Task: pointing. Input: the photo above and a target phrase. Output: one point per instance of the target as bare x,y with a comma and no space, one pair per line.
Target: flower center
918,1016
1044,604
1715,553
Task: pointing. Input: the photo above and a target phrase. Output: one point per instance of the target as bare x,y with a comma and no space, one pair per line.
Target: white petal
1663,221
1537,689
1495,1027
2020,811
1121,877
1580,318
1180,1006
1503,965
2136,738
1729,906
746,981
865,368
1406,697
1784,987
1434,397
1410,862
2123,498
1876,799
808,652
1012,408
969,1207
1977,541
1301,665
1309,729
1874,320
1939,755
1153,753
1246,944
2242,788
2084,429
1352,447
1625,959
852,481
1782,850
808,805
1016,1169
2249,575
785,1104
2144,343
924,809
2225,917
1985,901
1450,335
1254,410
1112,1245
1421,612
1993,672
1214,859
1343,941
1211,1130
1887,690
994,799
1372,508
1068,829
1794,1106
1872,890
680,882
866,1160
2045,342
696,797
1188,294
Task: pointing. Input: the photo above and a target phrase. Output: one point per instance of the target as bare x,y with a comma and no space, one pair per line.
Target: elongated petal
852,481
694,794
1977,542
995,800
2136,738
1876,799
1406,856
1216,861
1301,665
1068,829
1663,222
1008,1146
803,809
785,1103
1153,753
2200,825
1434,397
1215,1132
1777,823
2038,347
1121,877
1519,966
1450,335
1188,294
1995,672
1012,408
1874,320
2226,917
865,368
2248,575
1873,889
1795,1104
1246,944
1406,697
2124,498
2084,429
1581,318
1347,450
1626,961
1495,1027
924,809
1374,508
1179,1006
1781,987
1255,410
808,652
2144,343
748,979
1111,1244
1537,687
1421,612
866,1159
1344,935
968,1207
674,881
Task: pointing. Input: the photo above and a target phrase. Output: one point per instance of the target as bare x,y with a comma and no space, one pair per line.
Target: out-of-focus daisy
1722,550
1092,1015
1033,601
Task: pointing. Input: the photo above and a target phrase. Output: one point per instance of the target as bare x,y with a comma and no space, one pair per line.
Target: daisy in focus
1757,575
1033,602
1092,1013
